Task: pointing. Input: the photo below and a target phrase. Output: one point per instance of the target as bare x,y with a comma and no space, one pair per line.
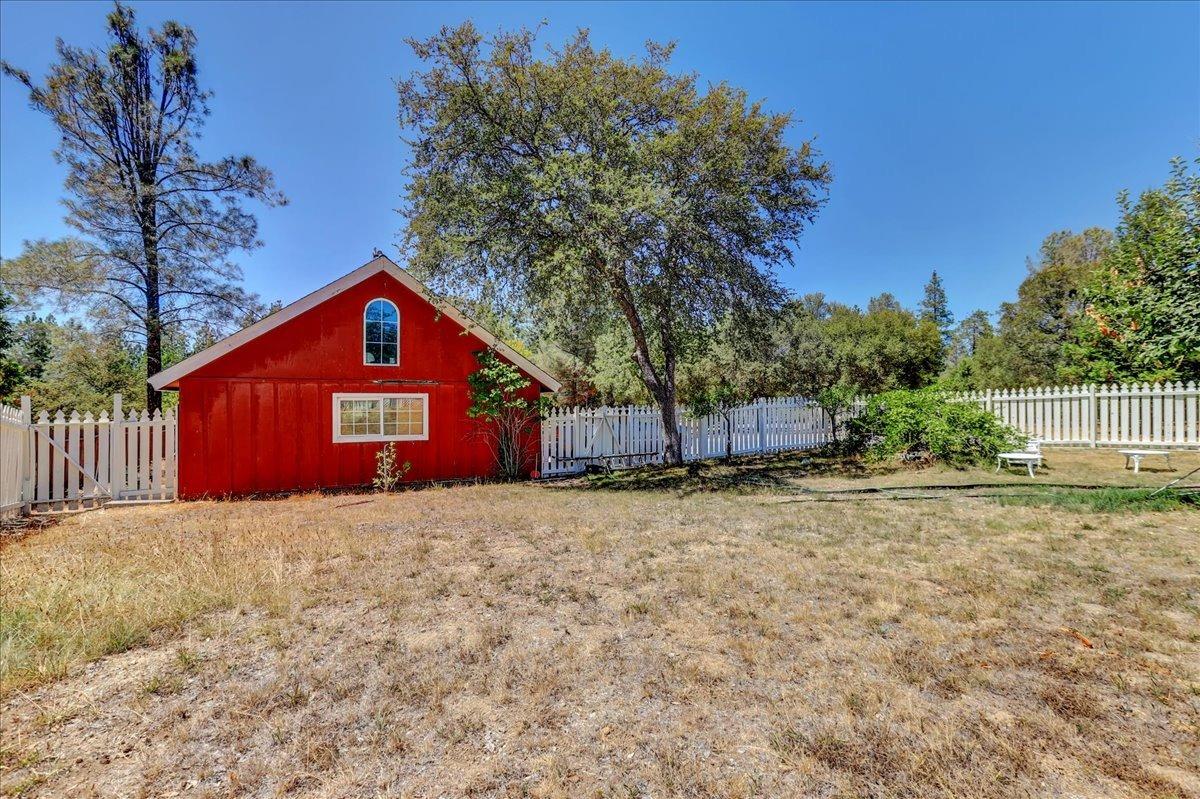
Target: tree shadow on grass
739,474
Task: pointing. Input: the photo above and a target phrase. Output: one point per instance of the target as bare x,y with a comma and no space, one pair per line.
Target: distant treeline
1095,306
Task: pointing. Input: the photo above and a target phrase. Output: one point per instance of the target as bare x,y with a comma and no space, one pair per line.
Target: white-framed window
380,417
381,333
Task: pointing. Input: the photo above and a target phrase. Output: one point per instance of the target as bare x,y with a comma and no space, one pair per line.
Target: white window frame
362,320
338,438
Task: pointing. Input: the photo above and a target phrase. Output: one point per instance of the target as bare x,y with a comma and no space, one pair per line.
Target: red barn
305,398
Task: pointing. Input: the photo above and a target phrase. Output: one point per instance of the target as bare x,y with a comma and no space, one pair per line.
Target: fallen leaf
1078,637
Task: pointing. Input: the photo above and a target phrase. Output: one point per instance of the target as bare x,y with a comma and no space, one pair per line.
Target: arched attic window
381,333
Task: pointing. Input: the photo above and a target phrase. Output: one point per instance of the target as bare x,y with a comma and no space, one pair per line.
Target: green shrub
927,425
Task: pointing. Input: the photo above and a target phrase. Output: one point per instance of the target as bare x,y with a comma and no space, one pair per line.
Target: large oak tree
601,190
157,224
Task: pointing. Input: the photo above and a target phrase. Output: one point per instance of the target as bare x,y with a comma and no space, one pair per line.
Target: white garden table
1030,457
1136,456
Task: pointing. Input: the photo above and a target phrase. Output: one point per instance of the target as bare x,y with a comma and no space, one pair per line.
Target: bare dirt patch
549,641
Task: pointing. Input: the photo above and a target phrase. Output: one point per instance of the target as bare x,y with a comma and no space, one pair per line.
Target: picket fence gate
61,462
1139,414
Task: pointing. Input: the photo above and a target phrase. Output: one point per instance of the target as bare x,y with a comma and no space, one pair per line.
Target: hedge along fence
1165,415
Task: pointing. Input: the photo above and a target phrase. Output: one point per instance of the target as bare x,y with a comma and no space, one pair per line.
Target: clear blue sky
959,135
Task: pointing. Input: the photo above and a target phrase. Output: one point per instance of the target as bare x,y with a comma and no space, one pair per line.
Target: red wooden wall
260,417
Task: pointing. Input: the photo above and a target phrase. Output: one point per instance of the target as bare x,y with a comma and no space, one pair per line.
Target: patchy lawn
1063,466
726,637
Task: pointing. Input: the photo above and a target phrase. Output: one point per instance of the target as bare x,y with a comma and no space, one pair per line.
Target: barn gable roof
382,263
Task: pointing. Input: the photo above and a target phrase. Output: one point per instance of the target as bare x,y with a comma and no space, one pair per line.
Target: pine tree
969,333
11,373
157,224
935,307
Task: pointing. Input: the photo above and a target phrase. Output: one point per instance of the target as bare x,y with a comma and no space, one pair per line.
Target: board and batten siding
259,418
256,436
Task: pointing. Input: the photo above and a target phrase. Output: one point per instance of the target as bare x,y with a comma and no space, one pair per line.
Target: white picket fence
13,451
632,435
1163,415
61,462
1102,415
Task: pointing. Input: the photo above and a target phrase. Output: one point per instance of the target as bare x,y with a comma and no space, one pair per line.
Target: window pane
358,418
381,326
404,416
386,416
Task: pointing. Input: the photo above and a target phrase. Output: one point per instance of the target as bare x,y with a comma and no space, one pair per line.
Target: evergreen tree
157,223
884,302
12,375
84,369
936,308
1033,330
33,344
969,334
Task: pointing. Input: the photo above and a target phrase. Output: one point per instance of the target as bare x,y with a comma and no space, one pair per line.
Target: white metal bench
1136,456
1030,457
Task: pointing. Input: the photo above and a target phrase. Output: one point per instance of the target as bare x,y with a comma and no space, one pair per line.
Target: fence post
116,450
27,452
626,415
760,418
1093,415
576,436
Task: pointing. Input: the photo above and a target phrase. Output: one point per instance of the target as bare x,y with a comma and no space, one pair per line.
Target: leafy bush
928,425
507,419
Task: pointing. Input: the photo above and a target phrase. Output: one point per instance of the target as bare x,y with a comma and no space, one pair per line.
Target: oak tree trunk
672,441
660,383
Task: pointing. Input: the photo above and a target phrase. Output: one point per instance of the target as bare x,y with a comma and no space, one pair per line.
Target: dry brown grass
552,641
1068,466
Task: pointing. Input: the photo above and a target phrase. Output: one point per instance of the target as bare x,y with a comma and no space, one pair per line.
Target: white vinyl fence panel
1163,415
67,462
